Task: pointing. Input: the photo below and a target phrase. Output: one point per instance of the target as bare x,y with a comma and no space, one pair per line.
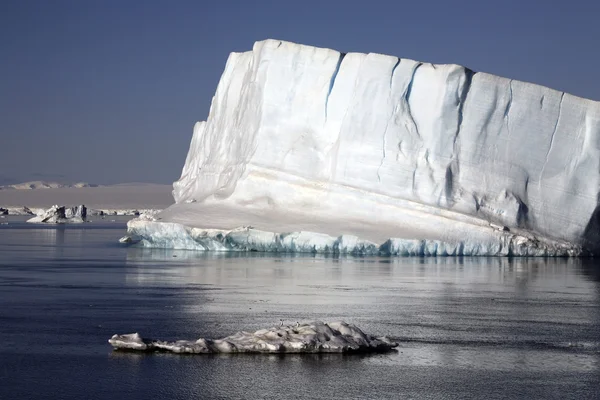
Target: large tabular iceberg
439,158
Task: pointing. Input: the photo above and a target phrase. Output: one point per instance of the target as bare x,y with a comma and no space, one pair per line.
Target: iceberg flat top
382,147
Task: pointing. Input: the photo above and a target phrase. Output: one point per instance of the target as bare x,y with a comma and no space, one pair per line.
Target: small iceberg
61,215
312,337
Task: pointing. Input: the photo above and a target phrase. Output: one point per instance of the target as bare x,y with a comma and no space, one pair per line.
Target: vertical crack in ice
523,208
336,147
452,168
392,74
462,99
332,81
407,98
551,141
508,106
388,122
383,156
414,181
400,151
406,101
385,143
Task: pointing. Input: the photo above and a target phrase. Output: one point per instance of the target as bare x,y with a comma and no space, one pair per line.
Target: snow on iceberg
305,139
61,215
312,337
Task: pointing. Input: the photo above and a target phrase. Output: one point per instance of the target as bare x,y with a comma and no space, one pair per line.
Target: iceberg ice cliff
409,155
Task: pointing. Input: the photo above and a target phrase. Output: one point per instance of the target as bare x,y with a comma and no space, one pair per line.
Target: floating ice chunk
312,337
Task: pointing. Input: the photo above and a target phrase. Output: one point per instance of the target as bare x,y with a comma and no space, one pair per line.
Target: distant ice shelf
312,337
377,154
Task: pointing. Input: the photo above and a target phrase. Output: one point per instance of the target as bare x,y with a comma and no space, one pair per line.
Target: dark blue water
469,328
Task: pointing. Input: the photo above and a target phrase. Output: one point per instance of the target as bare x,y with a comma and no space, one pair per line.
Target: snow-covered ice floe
312,337
439,158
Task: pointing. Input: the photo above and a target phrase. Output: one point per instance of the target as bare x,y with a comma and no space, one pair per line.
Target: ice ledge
171,235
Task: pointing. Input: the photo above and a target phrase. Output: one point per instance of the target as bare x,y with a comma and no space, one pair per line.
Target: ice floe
311,337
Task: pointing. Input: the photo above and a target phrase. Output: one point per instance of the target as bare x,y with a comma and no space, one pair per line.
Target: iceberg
47,185
123,212
319,150
19,211
61,215
312,337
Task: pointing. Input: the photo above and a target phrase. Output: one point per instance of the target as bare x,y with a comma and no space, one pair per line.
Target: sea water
467,327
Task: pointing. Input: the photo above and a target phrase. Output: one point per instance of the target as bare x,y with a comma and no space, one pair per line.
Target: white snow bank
61,215
311,133
312,337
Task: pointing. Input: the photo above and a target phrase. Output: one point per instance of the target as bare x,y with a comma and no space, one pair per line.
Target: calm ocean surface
482,328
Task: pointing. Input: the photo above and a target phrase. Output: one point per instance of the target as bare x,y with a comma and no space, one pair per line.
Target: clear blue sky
108,91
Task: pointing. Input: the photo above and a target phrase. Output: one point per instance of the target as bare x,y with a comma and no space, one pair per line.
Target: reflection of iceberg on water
313,337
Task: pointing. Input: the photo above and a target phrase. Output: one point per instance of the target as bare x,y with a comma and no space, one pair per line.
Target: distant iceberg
313,337
47,185
61,215
75,214
373,154
123,212
20,211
